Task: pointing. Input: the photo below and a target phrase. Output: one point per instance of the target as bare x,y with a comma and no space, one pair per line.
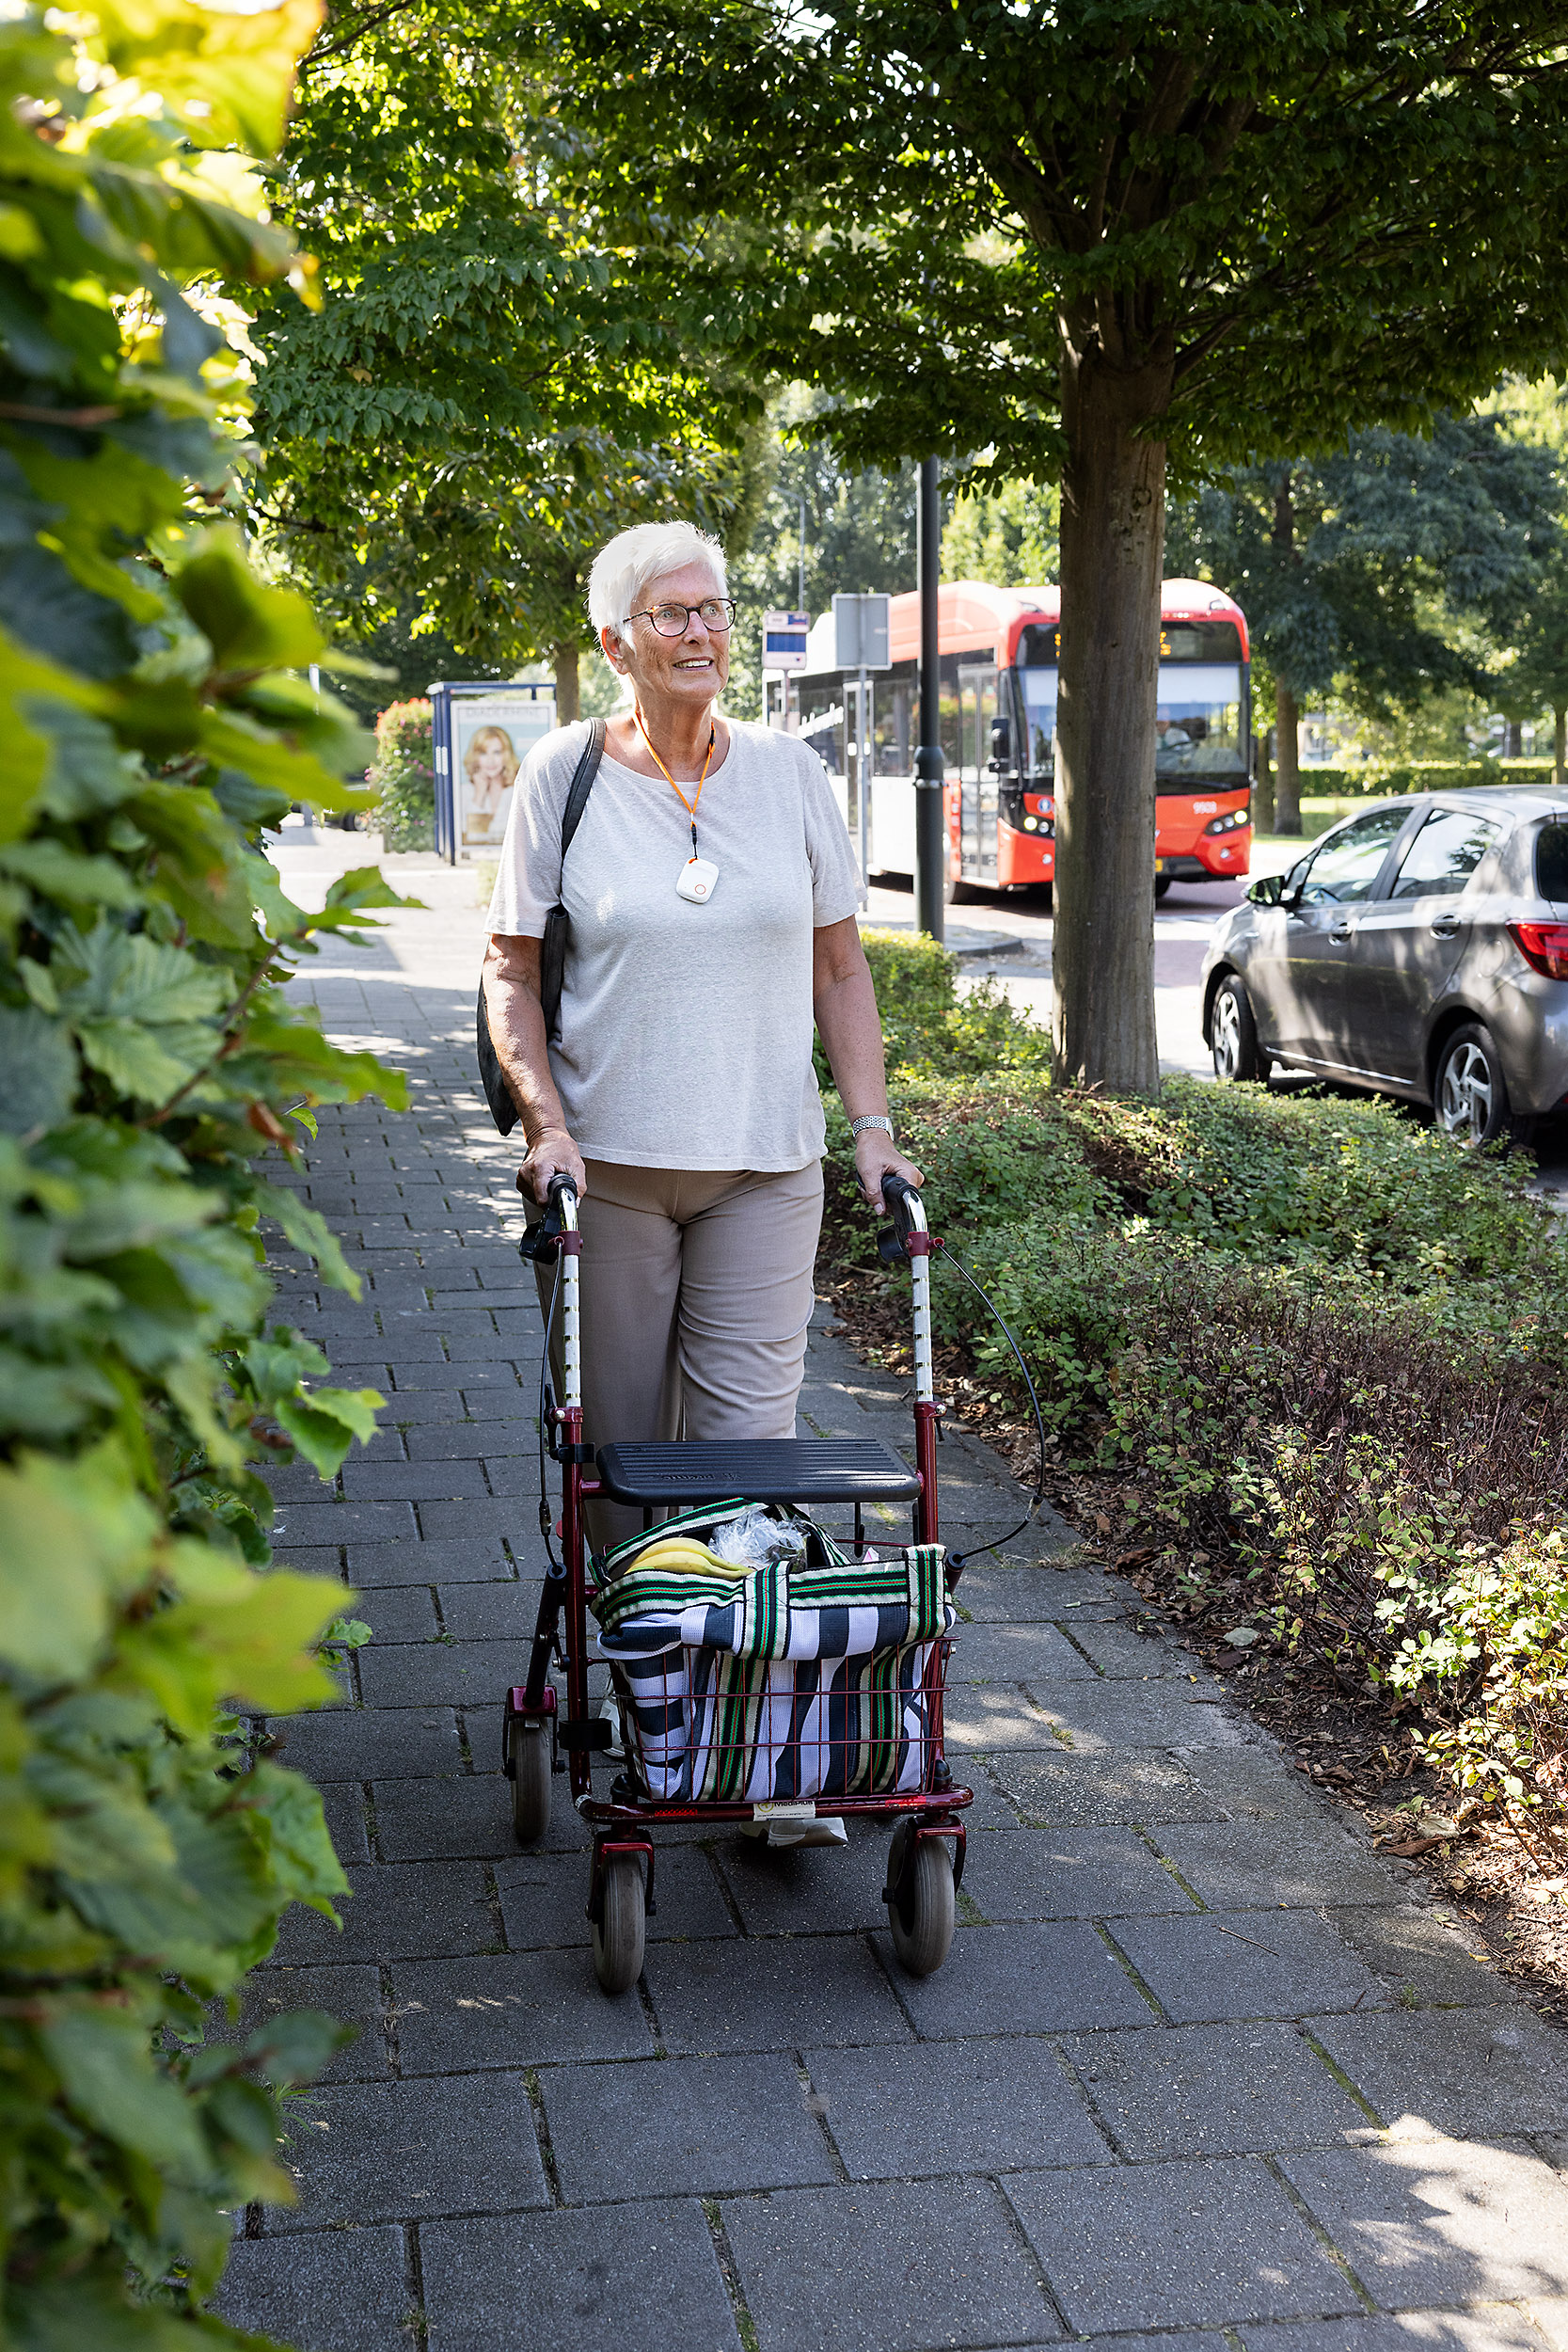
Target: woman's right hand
552,1153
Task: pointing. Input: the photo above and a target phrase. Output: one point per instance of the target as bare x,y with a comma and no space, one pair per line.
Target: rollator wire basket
803,1688
782,1681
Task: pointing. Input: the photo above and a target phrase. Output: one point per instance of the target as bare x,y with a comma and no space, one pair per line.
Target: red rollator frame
894,1701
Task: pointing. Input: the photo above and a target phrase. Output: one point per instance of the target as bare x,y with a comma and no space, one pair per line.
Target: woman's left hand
876,1155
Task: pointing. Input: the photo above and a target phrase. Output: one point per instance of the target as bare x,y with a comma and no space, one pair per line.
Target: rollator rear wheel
531,1786
923,1922
618,1933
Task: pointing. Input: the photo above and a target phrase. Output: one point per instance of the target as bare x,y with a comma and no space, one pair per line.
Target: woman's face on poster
491,765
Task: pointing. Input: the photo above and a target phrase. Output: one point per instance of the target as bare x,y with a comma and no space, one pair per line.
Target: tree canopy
1384,572
482,397
1093,241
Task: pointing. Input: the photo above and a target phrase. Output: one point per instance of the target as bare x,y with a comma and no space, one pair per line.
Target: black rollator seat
778,1470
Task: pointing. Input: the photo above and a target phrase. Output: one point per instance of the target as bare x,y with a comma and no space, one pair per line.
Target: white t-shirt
685,1028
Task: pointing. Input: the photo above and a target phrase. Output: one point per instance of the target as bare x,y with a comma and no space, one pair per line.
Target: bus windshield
1040,706
1197,726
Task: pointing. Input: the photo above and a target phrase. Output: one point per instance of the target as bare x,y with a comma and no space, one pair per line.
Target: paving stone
1164,1711
399,1613
428,1408
1442,2221
441,1673
973,2106
996,1594
543,1898
1093,1791
694,2125
480,1520
1213,2090
414,1482
397,1910
343,1809
1123,1654
1233,1864
491,1375
645,2275
378,2151
1463,2071
472,1440
500,1611
1249,1964
350,1994
1173,2244
512,2009
885,2269
988,1715
1253,1782
1015,1653
777,1995
808,1890
477,1562
1066,1874
1413,1951
367,1743
1408,2332
429,1819
343,2291
1022,1979
344,1524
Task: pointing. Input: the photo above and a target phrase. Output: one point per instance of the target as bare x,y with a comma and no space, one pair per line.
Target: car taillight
1543,946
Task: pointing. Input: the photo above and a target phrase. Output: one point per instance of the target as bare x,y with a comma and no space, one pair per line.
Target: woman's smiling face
688,669
490,766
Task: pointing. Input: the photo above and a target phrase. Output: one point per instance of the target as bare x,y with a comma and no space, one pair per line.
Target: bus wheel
1162,887
955,893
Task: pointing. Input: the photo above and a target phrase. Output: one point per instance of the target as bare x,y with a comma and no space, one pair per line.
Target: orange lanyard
689,806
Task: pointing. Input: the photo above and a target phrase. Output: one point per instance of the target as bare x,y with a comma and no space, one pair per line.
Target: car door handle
1341,930
1446,927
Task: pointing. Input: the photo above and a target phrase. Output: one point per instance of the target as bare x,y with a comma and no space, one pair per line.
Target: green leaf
125,976
56,872
74,1539
105,2060
37,1072
308,1230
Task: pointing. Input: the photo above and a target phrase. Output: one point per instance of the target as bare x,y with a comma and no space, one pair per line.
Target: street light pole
930,797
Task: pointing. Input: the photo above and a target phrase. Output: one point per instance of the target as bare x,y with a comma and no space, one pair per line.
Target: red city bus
998,650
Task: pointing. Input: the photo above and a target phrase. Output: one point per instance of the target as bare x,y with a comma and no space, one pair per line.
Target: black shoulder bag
553,948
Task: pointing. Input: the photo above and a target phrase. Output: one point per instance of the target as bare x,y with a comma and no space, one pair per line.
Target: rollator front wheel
620,1928
530,1783
924,1911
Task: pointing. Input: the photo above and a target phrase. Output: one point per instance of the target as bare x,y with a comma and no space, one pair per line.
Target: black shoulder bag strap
552,949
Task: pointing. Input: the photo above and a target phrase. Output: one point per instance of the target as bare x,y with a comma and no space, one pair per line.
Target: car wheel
1234,1032
1469,1101
1162,887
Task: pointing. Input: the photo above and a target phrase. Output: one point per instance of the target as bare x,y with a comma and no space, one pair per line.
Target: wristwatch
871,1118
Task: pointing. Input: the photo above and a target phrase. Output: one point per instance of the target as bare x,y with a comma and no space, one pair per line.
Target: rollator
754,1701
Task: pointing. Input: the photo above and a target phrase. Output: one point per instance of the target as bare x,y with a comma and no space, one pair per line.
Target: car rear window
1551,862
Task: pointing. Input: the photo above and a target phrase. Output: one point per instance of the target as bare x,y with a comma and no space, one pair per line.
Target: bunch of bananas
682,1555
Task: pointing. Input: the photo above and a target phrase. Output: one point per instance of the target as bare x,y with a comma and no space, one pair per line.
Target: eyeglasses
716,614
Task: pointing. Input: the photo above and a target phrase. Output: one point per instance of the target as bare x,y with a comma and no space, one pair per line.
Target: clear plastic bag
757,1538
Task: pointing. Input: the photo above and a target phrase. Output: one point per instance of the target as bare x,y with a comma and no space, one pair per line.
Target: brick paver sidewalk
1199,2072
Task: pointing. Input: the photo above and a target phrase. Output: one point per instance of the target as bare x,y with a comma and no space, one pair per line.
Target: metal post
930,797
863,786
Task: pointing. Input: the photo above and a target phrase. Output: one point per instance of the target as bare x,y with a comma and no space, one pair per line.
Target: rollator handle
540,1244
907,1213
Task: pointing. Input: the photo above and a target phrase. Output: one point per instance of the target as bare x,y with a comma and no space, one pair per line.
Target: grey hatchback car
1420,950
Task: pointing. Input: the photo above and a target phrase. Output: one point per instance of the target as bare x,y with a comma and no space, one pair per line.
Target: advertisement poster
492,736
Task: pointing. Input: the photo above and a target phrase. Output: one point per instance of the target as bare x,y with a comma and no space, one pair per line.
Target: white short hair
623,568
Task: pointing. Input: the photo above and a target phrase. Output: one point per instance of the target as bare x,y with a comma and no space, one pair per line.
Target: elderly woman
711,893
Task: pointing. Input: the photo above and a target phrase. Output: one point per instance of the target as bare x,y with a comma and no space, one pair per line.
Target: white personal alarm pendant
699,879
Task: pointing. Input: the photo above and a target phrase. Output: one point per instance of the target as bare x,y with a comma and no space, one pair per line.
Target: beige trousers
696,1296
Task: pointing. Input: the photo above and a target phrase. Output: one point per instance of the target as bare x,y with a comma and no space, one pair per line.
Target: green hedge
1379,780
402,775
154,717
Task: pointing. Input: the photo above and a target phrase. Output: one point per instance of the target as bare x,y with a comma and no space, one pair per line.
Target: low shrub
1375,779
403,776
1314,1354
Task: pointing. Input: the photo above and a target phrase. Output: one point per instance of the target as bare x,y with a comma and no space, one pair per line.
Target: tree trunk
1112,543
1263,789
1287,790
1512,740
564,662
1559,749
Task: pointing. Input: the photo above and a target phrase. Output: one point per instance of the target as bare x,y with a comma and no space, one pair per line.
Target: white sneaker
783,1834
